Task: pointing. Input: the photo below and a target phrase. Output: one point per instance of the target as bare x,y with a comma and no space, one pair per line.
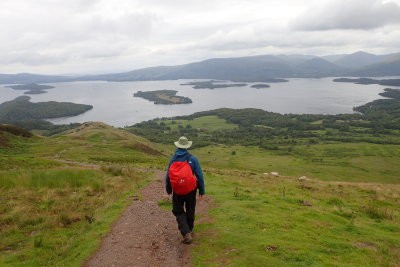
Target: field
353,162
209,123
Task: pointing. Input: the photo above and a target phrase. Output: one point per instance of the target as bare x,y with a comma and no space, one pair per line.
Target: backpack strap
187,158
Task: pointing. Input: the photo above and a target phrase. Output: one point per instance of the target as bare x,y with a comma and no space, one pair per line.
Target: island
213,84
22,109
267,80
163,97
260,86
31,88
387,82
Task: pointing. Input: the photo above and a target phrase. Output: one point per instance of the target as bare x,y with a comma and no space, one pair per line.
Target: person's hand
170,196
201,196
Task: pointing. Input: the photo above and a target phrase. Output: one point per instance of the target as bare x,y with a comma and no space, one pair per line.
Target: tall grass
59,178
54,217
380,213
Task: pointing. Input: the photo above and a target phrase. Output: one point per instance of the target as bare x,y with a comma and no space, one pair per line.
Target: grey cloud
262,40
31,58
348,14
260,37
53,35
68,36
134,25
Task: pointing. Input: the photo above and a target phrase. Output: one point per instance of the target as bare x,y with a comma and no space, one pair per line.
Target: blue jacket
194,164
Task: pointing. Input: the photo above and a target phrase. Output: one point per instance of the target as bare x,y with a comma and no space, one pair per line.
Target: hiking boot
187,239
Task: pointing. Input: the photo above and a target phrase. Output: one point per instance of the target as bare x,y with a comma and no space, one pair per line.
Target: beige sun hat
183,142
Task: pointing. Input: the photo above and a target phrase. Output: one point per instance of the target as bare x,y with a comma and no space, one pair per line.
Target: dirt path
146,235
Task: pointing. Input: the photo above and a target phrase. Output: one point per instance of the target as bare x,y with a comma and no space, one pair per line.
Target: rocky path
145,234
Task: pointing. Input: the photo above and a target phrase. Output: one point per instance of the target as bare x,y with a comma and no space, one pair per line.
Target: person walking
183,178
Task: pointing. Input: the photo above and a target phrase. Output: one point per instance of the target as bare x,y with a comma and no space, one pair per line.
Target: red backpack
181,177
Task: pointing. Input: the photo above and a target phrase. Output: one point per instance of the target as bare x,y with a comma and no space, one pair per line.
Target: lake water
114,103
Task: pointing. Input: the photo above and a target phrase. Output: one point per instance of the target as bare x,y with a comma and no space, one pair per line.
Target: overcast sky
99,36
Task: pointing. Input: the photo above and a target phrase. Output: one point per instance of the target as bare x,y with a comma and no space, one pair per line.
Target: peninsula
163,97
22,109
388,82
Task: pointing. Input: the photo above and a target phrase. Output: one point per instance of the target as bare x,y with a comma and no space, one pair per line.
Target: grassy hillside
60,194
329,162
345,213
54,210
260,220
332,148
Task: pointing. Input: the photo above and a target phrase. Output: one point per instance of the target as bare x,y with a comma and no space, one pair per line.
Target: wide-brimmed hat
183,142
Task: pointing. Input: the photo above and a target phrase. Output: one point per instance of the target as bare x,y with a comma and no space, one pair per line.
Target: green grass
47,178
165,204
45,218
209,123
331,162
260,221
102,145
54,214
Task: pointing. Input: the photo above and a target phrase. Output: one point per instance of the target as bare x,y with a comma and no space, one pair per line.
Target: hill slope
244,68
319,67
61,194
360,59
389,67
8,132
26,78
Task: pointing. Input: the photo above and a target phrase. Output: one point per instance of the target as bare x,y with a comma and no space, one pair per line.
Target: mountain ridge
249,68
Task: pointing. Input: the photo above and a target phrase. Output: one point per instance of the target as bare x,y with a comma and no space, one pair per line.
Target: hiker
183,177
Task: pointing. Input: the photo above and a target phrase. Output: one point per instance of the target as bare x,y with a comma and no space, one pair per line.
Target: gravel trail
145,234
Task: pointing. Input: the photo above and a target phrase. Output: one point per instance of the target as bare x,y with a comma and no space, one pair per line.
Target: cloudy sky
100,36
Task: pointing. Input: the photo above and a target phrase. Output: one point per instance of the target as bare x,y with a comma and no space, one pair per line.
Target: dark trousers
183,207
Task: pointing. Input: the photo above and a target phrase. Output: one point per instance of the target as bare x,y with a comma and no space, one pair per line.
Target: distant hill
250,69
262,68
295,59
333,58
26,78
319,67
360,59
389,67
242,68
153,73
255,68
